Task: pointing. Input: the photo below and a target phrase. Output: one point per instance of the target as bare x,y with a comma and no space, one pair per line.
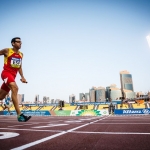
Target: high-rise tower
126,80
126,85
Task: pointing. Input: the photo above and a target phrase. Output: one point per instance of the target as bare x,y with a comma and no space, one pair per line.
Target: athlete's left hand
23,80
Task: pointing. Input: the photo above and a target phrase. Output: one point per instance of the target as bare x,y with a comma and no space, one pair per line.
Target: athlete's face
17,43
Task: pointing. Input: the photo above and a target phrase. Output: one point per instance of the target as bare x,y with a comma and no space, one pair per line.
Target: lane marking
53,136
73,121
109,132
32,130
22,125
122,123
125,119
6,135
50,125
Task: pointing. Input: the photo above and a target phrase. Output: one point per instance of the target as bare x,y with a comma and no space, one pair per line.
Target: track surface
76,133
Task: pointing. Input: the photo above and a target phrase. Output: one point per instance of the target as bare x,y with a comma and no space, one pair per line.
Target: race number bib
15,62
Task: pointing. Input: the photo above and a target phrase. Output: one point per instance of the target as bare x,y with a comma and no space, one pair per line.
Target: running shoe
23,118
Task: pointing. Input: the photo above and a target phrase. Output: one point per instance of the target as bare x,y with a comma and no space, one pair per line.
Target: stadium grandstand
110,106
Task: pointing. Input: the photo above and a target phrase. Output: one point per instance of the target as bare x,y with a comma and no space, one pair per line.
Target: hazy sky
70,46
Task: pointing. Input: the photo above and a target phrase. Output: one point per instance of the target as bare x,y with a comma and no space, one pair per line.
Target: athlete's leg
10,84
14,91
3,93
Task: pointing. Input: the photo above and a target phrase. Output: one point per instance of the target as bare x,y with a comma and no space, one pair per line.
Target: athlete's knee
14,88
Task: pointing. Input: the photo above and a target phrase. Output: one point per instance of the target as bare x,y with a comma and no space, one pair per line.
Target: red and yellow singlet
12,62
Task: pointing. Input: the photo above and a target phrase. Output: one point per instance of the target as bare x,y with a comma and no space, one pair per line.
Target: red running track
76,133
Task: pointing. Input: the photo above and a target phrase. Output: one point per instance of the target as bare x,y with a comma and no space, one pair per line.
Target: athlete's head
16,42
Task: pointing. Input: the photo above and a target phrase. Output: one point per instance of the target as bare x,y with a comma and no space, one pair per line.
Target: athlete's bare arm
4,52
23,80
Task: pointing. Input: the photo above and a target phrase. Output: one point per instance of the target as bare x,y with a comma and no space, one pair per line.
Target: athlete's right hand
23,80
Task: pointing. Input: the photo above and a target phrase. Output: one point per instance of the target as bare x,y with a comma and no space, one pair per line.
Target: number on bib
15,62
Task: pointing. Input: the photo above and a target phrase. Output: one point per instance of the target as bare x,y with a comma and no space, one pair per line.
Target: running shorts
7,78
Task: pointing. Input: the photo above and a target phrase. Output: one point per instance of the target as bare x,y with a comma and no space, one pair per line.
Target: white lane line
126,120
89,118
31,122
31,130
22,125
53,136
109,132
73,121
123,123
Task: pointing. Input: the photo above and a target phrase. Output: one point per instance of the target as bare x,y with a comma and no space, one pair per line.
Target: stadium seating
122,106
90,107
69,108
1,109
48,108
138,106
12,108
103,107
34,107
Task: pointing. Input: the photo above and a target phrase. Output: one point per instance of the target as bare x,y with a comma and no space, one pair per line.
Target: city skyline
69,46
126,90
95,93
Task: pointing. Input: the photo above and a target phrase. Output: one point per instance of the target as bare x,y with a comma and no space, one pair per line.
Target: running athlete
7,104
13,65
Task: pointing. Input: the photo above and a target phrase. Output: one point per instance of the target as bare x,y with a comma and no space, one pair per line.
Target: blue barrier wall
31,113
131,111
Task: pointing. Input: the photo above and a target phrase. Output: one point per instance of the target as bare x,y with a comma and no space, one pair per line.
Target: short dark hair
14,39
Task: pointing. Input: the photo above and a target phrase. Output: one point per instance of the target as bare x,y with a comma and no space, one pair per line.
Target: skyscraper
44,99
20,98
126,80
100,94
72,98
87,97
36,99
81,96
126,84
115,93
92,94
52,101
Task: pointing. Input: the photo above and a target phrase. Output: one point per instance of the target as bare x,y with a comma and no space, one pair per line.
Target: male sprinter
13,65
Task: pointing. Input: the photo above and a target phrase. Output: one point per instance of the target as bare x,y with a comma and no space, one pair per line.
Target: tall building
129,94
100,94
113,93
127,85
92,94
126,80
87,97
36,99
20,98
57,100
81,96
52,101
46,99
72,98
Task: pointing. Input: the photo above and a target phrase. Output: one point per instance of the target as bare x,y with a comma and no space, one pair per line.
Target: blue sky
70,46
